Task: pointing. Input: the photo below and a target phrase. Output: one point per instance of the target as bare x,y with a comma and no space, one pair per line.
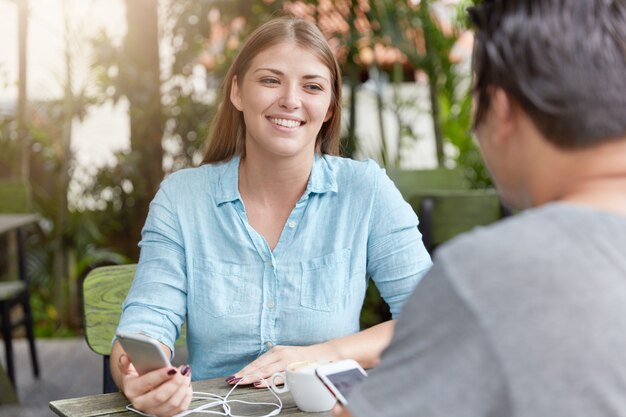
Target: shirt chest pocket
324,281
218,288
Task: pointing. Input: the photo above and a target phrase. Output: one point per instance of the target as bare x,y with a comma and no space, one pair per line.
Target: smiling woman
273,237
284,100
295,40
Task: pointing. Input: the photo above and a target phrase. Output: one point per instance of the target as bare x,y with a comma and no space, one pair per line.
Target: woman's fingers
125,366
178,397
276,360
170,397
136,386
258,370
247,375
182,398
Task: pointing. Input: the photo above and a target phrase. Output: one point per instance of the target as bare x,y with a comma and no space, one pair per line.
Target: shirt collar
227,187
322,180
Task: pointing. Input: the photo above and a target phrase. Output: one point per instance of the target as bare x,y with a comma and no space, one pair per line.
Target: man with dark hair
527,317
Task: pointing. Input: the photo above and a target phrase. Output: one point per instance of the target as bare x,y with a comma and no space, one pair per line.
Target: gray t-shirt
524,318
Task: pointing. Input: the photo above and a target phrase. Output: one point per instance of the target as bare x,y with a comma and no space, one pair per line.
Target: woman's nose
290,98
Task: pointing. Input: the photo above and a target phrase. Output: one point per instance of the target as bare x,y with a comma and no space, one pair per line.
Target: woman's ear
329,114
331,110
235,94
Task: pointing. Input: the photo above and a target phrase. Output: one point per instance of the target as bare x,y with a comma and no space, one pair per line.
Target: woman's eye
269,81
314,87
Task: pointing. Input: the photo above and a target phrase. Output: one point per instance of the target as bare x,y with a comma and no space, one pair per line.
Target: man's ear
505,113
235,94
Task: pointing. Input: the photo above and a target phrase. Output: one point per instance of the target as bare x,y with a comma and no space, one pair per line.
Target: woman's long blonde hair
228,131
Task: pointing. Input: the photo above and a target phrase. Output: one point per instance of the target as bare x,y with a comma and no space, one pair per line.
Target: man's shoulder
532,238
519,235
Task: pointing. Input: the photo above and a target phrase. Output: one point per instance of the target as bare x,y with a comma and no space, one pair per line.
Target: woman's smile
285,122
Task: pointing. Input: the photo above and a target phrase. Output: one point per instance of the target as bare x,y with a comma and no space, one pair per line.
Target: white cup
308,392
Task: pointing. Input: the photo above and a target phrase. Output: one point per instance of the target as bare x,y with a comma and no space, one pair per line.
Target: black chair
15,199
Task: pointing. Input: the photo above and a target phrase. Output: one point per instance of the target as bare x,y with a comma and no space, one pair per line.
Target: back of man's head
563,61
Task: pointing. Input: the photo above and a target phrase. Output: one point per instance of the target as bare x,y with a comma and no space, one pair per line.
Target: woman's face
285,98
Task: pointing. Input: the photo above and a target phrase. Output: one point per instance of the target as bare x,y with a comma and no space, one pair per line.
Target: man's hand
339,411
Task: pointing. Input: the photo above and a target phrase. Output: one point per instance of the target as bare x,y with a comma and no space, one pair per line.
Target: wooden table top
114,405
10,222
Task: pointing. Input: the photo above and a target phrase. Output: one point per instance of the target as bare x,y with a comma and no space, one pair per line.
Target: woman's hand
365,347
276,360
162,393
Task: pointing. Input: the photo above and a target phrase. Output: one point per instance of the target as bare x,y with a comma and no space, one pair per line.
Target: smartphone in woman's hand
144,352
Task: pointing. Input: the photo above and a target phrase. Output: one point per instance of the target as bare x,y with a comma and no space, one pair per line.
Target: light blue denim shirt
202,262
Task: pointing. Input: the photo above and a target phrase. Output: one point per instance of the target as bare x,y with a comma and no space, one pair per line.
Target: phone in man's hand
341,377
144,352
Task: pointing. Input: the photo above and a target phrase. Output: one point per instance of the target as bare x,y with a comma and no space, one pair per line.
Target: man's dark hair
563,61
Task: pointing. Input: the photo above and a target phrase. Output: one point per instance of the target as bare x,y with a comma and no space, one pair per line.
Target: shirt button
292,224
269,345
270,304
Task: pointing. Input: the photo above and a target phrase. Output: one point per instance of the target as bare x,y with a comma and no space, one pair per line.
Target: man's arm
439,362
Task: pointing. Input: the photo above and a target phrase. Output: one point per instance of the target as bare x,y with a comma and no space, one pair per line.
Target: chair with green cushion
14,291
104,291
444,214
411,181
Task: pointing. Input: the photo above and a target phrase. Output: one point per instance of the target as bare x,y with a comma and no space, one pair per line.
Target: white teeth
285,122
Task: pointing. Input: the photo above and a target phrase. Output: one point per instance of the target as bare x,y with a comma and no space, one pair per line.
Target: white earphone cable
224,402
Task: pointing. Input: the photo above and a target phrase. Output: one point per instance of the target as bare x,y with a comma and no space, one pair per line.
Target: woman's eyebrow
306,77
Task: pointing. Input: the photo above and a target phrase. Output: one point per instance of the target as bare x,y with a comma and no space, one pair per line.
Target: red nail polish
234,380
171,372
185,370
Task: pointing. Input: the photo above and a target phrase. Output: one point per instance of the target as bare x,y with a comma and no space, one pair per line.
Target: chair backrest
412,181
15,196
104,291
444,214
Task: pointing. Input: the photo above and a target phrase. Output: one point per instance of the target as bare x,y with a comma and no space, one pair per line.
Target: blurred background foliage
96,220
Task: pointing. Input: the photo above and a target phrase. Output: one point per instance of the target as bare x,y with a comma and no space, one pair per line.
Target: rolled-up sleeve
397,259
156,303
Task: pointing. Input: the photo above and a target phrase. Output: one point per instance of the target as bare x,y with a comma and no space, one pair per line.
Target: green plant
427,44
